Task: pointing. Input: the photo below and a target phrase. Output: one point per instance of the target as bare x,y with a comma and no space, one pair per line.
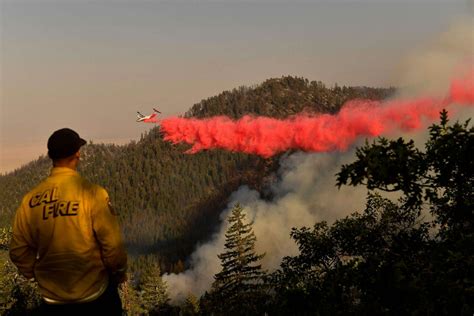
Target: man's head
63,148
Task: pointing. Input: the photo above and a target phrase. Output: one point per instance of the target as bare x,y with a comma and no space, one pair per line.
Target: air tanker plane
148,118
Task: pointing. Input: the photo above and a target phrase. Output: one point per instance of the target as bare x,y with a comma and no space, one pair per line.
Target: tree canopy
238,289
392,258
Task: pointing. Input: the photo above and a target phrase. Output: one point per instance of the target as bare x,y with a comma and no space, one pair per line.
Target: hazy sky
90,65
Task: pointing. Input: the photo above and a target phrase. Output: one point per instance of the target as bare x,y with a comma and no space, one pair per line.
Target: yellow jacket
66,236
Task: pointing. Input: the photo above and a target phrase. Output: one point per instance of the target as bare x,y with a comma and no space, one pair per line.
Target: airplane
148,118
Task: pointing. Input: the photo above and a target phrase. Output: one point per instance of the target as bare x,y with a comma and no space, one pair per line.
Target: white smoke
306,192
430,68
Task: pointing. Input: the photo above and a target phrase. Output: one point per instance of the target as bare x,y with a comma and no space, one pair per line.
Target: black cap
64,143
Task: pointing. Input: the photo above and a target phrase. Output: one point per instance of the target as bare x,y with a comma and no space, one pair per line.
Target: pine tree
153,294
190,306
130,297
238,289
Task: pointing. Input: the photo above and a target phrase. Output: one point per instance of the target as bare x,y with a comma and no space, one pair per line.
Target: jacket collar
63,171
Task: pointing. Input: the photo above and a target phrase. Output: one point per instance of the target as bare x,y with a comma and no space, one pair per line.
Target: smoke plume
305,193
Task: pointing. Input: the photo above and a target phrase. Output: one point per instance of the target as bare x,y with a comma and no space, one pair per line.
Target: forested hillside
168,200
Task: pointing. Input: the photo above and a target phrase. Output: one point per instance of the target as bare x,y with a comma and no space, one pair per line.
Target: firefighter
67,238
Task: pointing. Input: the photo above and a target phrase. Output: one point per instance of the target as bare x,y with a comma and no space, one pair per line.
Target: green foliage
283,97
144,292
18,296
15,184
190,306
152,289
383,159
392,258
5,237
130,297
450,183
361,264
442,175
238,289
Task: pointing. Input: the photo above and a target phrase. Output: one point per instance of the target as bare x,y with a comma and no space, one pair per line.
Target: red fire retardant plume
266,136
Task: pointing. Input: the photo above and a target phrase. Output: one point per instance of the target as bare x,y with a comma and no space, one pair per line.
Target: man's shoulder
94,189
99,196
100,192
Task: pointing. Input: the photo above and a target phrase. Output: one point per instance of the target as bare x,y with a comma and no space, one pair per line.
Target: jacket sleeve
22,248
107,231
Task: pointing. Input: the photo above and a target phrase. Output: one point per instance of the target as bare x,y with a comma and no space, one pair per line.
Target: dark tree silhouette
393,258
238,289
